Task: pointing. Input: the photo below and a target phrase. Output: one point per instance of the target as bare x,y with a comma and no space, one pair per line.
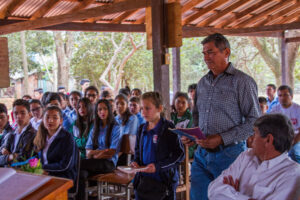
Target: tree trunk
63,55
25,63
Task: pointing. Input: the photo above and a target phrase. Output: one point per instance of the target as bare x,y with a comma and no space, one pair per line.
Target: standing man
272,100
226,106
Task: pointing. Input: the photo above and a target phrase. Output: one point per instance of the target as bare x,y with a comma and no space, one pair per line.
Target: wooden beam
238,16
176,69
263,13
278,15
222,13
271,30
44,9
82,5
10,8
203,11
290,17
189,5
124,16
79,15
140,20
161,76
284,60
294,39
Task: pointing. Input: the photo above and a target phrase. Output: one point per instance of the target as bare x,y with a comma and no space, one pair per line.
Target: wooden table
56,188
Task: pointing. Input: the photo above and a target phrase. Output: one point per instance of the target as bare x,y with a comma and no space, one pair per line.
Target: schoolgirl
102,146
158,151
181,116
83,125
56,146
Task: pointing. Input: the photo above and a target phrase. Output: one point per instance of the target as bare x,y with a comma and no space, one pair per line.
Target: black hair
62,95
262,100
84,130
40,90
138,90
192,87
126,115
135,99
44,98
53,96
286,87
75,92
31,101
124,91
3,108
272,86
105,94
22,102
219,40
91,88
110,122
26,96
280,127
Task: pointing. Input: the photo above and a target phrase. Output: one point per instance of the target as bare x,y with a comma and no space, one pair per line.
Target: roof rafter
203,11
190,5
278,16
290,17
44,9
222,13
82,5
79,15
263,14
124,16
239,15
10,8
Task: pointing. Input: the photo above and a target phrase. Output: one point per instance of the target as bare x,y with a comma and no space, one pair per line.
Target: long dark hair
41,136
84,130
126,115
110,122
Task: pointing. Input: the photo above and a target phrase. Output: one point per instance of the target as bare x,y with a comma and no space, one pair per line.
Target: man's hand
187,141
150,168
229,181
134,165
211,141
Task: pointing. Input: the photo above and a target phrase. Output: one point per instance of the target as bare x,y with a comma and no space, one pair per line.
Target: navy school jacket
169,154
62,156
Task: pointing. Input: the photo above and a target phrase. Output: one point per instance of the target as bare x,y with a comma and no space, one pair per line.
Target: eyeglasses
91,95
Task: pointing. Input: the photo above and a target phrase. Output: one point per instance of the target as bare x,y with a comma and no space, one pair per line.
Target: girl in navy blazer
56,146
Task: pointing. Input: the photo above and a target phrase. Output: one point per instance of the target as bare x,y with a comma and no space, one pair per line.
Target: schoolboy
55,100
19,143
5,127
74,97
92,93
263,104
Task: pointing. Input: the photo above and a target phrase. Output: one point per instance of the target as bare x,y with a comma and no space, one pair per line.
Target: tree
25,63
64,48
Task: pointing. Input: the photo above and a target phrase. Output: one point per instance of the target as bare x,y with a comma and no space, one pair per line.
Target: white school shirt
275,179
17,137
35,124
48,143
292,112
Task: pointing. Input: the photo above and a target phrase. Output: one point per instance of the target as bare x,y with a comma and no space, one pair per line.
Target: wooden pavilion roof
199,17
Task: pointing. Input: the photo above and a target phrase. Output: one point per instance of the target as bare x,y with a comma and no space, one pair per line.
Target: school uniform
19,143
163,148
141,119
80,141
130,127
59,156
92,166
3,136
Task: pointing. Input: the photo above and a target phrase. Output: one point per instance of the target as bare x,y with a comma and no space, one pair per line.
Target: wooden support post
284,61
160,68
176,70
4,63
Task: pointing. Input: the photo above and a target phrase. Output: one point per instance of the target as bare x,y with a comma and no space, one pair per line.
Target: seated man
265,171
19,144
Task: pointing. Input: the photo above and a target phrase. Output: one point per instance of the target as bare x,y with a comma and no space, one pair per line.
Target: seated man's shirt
293,113
271,104
278,178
